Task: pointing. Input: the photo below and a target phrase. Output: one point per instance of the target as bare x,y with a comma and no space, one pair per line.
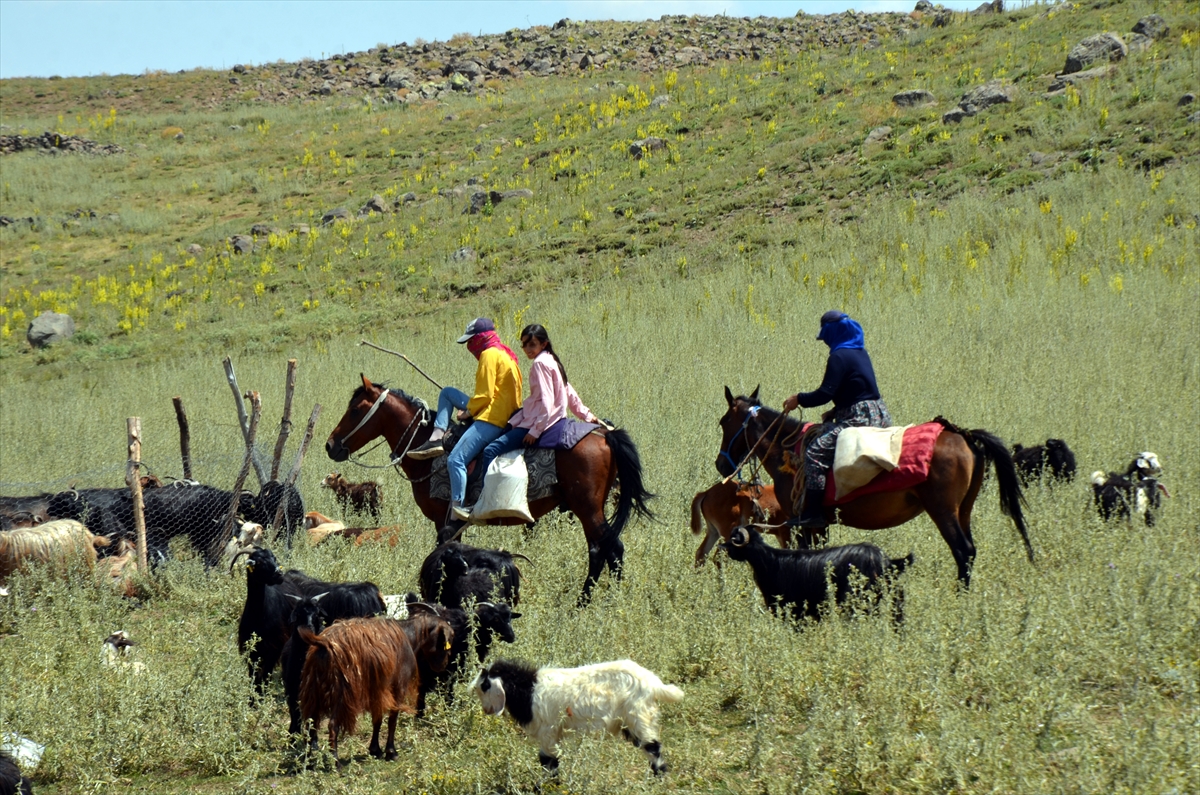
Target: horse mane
399,393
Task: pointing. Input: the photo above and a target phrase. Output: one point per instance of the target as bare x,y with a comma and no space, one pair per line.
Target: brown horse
947,495
587,473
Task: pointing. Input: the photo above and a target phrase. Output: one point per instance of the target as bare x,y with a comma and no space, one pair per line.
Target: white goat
616,697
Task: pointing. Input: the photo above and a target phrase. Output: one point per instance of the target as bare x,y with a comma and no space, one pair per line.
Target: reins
749,453
420,418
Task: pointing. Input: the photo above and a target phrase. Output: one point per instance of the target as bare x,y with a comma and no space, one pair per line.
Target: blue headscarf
840,332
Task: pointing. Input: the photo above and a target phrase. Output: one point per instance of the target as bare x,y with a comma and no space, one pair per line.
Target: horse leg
710,540
957,538
595,567
614,557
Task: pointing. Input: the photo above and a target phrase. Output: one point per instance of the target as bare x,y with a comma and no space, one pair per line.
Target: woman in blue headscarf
850,384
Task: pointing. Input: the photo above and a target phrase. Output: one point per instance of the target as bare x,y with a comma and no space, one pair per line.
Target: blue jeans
448,400
506,442
473,440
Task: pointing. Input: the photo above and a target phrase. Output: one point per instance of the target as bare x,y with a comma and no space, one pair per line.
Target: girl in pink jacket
550,395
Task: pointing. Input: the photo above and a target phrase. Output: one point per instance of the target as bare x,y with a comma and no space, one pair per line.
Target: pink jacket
549,398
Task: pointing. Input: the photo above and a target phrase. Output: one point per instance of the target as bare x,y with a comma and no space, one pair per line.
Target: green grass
1063,307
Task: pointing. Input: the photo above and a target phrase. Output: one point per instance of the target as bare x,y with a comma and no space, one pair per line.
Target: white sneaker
460,511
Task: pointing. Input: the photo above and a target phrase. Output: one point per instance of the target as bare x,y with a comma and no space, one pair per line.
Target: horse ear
366,383
728,397
754,394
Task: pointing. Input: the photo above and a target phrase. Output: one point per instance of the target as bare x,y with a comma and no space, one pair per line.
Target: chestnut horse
587,473
947,495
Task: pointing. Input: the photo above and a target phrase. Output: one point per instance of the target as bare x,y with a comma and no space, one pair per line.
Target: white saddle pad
505,490
862,453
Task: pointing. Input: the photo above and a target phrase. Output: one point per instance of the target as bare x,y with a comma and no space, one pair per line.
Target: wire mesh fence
196,499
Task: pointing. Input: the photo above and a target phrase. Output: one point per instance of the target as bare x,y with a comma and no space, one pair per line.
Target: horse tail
698,513
993,449
632,495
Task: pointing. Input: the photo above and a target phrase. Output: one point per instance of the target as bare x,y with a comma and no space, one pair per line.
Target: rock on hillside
427,70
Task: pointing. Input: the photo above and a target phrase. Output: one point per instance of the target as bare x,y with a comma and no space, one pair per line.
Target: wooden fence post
295,473
133,479
285,426
241,409
185,436
227,532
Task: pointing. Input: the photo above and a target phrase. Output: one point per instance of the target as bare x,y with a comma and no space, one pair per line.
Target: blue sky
40,38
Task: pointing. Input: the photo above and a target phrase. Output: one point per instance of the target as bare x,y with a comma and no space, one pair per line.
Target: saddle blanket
540,463
912,465
862,453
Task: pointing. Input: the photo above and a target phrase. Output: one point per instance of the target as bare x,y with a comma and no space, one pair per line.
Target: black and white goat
1053,457
616,697
796,578
1136,491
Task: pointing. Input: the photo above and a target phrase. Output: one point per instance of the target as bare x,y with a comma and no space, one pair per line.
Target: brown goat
369,665
727,505
357,497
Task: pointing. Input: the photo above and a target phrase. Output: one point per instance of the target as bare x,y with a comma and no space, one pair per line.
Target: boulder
464,254
954,115
650,144
1186,99
878,135
49,328
336,214
459,82
924,6
376,204
195,250
993,92
916,98
263,230
1152,26
241,244
399,79
660,101
1101,47
1062,81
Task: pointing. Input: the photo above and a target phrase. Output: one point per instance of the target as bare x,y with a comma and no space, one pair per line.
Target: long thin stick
295,473
133,479
402,356
285,426
185,436
227,533
242,419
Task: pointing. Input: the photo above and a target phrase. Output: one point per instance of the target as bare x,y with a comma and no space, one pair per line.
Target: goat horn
522,557
319,597
297,598
424,606
233,562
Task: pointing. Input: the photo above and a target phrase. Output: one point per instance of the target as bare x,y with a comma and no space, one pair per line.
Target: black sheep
796,578
1054,456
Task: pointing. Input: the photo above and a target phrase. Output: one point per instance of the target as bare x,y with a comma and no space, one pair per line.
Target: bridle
371,413
751,413
420,418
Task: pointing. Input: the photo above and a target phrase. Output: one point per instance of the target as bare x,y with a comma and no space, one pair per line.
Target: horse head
371,414
734,446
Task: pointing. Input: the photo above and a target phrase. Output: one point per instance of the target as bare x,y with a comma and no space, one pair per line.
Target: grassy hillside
1031,270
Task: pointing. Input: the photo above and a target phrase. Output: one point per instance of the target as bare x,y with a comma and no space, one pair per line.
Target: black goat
1124,495
314,612
24,511
1054,456
265,613
795,578
455,573
11,780
493,620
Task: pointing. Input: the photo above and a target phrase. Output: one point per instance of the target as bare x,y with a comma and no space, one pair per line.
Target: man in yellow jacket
497,396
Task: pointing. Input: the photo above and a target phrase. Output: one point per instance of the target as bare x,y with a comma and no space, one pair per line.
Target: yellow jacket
497,388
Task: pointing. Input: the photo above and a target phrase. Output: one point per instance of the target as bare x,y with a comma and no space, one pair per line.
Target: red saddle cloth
915,455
